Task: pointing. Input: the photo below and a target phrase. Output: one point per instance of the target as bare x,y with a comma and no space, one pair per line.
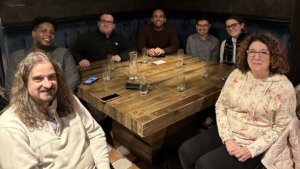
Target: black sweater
95,46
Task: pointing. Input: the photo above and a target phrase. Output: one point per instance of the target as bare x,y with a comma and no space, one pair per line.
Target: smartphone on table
90,80
109,97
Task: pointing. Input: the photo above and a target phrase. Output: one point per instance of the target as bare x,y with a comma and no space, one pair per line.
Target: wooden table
147,124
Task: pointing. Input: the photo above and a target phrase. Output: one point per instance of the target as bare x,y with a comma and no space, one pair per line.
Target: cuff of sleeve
224,138
252,151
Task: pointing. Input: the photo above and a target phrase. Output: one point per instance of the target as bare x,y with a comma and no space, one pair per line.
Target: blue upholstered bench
15,38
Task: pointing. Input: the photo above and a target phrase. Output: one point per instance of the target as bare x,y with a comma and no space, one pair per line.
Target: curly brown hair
278,58
30,113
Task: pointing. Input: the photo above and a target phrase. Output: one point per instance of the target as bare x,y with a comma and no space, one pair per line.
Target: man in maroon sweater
158,37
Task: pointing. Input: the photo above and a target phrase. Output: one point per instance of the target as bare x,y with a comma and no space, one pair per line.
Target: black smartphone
90,80
109,97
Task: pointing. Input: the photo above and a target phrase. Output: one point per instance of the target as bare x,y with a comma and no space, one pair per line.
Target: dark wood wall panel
16,11
277,9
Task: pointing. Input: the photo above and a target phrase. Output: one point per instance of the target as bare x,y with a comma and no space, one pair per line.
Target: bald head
158,12
158,19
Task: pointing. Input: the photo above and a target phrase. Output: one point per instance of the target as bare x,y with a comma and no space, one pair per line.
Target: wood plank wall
16,11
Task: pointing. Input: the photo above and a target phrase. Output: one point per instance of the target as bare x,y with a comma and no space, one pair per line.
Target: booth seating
18,36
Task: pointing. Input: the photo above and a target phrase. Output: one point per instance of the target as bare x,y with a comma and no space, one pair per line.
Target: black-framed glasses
262,54
233,26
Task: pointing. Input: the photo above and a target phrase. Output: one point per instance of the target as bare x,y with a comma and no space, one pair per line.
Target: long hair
278,58
29,111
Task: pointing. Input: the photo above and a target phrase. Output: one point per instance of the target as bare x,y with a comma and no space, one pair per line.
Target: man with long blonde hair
45,125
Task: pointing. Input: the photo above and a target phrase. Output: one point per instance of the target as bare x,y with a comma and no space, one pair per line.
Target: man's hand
159,51
84,63
151,52
116,58
155,51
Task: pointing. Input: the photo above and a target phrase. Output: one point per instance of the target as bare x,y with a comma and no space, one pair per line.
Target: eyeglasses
106,22
262,54
233,26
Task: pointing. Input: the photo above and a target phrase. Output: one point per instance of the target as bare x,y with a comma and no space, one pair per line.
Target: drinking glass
106,73
180,54
143,85
205,67
145,55
110,61
180,81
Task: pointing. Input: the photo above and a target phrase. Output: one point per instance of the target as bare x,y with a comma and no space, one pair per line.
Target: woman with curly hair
255,106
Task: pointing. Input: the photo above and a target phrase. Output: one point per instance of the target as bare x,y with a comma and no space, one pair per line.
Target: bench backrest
16,38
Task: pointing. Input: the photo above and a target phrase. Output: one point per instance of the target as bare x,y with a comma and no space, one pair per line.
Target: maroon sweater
167,39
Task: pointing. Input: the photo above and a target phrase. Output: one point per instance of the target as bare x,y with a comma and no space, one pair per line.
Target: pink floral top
254,112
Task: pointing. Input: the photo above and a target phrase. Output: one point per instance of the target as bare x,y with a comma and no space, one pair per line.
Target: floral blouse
254,112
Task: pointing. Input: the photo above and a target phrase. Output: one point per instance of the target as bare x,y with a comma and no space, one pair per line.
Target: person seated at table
255,106
235,27
158,37
43,35
96,45
203,44
45,125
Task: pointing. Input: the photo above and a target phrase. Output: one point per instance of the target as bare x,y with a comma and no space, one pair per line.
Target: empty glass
205,67
145,55
106,73
180,81
180,54
110,61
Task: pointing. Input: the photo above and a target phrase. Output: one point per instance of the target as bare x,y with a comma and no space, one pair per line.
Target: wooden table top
164,104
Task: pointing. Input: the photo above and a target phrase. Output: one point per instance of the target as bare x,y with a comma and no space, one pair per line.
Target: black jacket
95,46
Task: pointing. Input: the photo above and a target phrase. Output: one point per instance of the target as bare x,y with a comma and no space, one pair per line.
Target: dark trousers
206,151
